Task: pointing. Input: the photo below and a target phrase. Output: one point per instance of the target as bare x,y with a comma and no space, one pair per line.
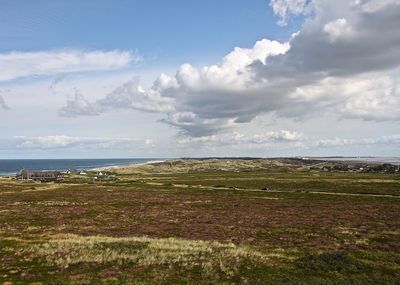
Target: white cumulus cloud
284,8
340,62
237,138
338,29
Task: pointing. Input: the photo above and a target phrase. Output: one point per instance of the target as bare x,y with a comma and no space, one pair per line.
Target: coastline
117,165
360,159
120,166
13,169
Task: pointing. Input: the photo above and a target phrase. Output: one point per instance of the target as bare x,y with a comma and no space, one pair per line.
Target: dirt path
277,191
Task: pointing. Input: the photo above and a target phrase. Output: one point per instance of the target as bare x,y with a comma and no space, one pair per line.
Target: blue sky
199,78
172,31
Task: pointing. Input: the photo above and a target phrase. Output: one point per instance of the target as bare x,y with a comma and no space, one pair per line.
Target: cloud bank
344,60
66,142
236,138
224,141
338,142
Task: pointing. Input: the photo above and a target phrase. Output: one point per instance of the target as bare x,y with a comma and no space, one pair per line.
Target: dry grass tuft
212,257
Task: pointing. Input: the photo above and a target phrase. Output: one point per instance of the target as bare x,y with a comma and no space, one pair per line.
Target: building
24,174
72,171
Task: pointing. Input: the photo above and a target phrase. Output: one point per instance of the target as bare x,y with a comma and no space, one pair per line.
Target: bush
330,261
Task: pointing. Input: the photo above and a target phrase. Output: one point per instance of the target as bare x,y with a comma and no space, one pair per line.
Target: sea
12,166
365,159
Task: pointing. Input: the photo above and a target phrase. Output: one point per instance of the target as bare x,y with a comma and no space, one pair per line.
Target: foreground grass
77,259
151,227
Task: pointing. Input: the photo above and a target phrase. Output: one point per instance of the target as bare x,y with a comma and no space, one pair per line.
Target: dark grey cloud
345,42
361,42
342,60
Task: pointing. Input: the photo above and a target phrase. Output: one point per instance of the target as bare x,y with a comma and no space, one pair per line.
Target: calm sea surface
12,166
372,159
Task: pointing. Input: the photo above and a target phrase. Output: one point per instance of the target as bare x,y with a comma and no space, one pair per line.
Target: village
53,175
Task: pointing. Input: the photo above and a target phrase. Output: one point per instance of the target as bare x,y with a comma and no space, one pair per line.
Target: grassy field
203,224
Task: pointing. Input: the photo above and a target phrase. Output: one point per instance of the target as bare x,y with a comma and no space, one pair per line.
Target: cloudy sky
154,78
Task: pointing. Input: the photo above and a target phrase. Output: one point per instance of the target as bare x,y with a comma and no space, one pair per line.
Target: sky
166,79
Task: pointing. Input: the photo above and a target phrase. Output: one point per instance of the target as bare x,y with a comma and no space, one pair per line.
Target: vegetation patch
269,222
338,261
212,258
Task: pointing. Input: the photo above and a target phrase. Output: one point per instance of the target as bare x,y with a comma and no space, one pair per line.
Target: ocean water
12,166
370,159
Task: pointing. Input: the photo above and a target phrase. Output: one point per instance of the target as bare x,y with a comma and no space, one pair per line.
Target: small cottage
24,174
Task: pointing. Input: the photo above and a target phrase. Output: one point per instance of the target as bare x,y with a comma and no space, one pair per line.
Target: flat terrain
203,222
